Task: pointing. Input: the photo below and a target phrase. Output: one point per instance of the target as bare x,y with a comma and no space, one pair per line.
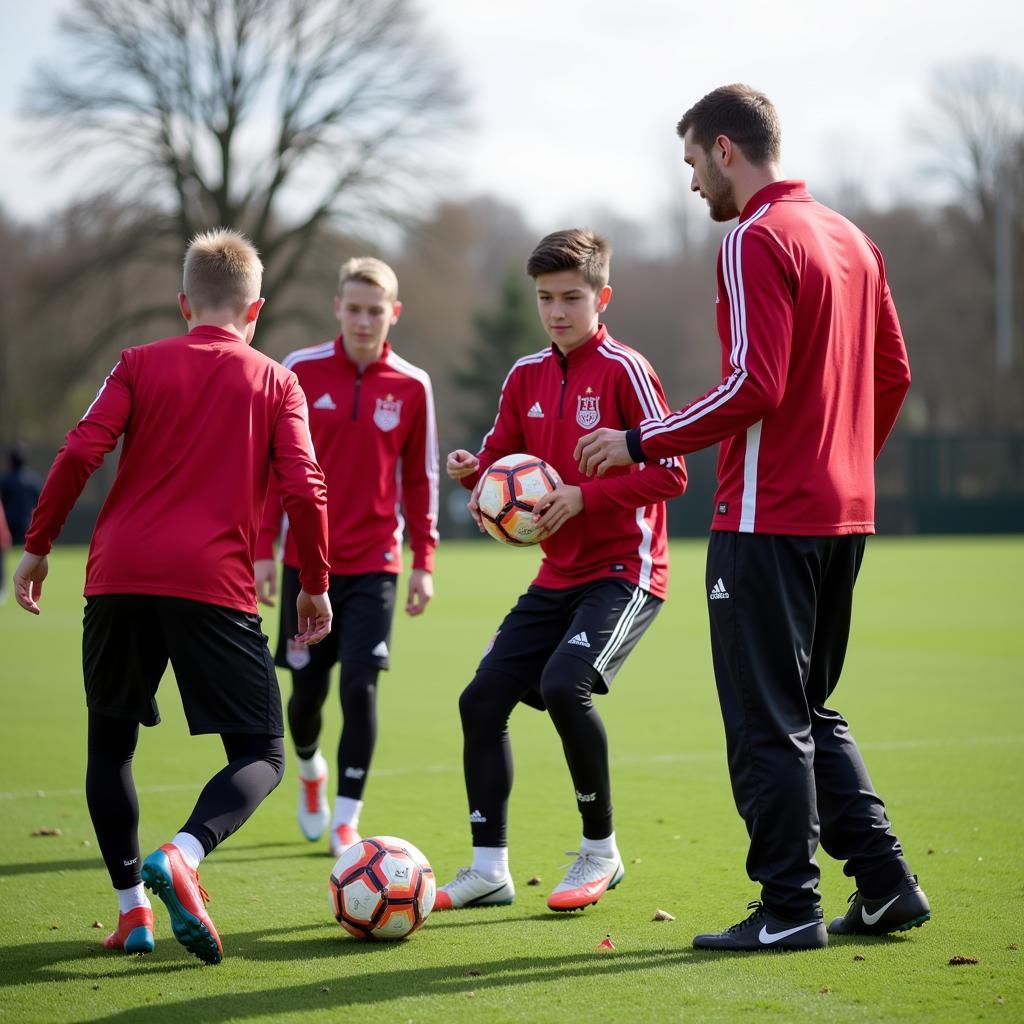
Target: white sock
129,899
491,862
190,848
346,812
311,767
605,848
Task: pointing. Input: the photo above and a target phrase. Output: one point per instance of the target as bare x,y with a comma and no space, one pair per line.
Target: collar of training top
584,351
777,191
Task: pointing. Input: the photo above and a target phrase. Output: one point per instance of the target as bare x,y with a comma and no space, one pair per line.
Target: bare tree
278,117
975,130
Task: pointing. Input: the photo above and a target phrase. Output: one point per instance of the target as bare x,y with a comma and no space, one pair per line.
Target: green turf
933,687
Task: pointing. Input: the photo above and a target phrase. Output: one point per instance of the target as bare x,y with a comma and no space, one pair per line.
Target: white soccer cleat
314,811
587,880
342,837
471,889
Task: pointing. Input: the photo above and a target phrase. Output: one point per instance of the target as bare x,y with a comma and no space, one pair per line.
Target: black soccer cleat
763,930
904,908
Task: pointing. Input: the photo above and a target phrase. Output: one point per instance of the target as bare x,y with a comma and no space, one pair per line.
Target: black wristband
636,452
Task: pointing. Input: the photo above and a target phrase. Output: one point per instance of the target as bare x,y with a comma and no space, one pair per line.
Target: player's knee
477,706
274,757
358,690
566,685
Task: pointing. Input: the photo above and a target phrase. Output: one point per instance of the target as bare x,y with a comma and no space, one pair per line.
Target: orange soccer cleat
134,933
165,872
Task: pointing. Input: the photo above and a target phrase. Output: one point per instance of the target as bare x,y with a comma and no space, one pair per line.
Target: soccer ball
510,489
381,888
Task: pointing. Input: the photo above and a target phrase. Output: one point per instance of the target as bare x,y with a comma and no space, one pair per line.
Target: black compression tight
485,705
359,721
255,766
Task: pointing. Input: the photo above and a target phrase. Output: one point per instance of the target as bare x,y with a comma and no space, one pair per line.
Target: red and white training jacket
375,435
205,418
815,371
549,401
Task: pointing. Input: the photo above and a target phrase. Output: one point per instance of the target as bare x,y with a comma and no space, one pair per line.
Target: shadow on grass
50,867
380,985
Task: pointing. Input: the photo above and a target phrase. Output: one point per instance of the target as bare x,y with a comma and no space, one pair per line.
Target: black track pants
780,610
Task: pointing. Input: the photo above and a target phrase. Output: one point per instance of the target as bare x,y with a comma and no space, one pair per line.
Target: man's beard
719,193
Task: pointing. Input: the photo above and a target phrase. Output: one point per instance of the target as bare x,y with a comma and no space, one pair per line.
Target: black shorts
363,607
598,622
220,658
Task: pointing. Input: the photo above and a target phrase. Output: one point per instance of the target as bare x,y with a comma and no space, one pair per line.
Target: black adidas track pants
779,608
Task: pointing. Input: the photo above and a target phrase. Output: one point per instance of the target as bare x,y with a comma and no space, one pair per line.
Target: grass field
933,687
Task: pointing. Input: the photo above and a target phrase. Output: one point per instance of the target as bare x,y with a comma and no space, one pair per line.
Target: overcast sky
574,102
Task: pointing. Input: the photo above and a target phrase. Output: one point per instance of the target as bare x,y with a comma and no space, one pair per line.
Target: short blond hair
369,270
222,268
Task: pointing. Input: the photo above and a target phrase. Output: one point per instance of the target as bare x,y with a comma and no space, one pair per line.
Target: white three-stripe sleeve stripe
651,404
430,458
638,376
536,357
103,387
622,628
733,274
302,355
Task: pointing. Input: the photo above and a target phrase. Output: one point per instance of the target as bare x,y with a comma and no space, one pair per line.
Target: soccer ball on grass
381,888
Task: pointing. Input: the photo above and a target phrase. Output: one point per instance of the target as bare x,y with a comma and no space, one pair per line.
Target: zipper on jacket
355,394
564,363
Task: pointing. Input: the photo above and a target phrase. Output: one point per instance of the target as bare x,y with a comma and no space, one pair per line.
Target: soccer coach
814,373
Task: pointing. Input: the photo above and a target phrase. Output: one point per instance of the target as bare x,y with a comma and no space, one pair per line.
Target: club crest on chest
388,412
588,410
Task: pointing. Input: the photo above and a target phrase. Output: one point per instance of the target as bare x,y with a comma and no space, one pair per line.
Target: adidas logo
718,591
478,818
354,773
381,650
580,640
585,798
324,402
536,412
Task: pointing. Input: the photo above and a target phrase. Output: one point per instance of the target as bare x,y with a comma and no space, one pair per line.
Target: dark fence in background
928,484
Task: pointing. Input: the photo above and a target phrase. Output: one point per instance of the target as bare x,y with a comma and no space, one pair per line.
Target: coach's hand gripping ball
381,888
509,490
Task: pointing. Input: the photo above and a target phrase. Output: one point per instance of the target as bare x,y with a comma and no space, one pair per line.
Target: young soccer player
170,574
373,425
601,583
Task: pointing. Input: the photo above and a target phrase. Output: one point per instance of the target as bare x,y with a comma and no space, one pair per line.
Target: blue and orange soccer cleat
165,872
134,933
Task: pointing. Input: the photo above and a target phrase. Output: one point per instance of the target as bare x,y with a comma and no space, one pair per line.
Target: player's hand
474,506
28,581
421,590
461,463
601,449
315,617
265,573
556,508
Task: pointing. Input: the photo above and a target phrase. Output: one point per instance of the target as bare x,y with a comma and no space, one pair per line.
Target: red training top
204,417
815,371
375,434
549,401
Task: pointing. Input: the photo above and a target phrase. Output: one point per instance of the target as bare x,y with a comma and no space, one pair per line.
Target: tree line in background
355,105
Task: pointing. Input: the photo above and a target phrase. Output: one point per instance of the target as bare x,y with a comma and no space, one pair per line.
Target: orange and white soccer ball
381,888
510,489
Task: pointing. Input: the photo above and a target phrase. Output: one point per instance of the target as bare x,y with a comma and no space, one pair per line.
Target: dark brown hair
743,115
574,249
